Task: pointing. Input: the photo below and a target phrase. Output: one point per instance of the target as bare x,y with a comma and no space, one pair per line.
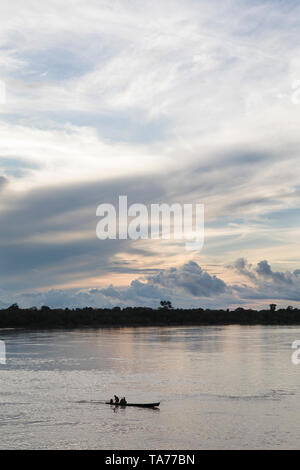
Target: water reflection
218,387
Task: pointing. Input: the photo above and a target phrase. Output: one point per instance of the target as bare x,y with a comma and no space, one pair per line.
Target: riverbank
117,317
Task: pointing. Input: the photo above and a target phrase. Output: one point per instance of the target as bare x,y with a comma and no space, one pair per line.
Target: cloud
264,269
48,234
242,267
266,283
3,182
187,286
191,278
62,298
263,272
193,100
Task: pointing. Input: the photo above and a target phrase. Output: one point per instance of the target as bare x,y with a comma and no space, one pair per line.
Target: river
231,387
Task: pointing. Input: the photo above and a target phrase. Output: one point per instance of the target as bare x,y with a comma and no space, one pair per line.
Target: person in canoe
116,399
123,401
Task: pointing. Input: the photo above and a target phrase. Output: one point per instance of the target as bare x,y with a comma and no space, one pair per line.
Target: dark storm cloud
37,243
264,269
262,272
242,267
267,284
44,210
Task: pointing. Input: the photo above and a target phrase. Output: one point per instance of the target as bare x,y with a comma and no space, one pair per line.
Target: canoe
142,405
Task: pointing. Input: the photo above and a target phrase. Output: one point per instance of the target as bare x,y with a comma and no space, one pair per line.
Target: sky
165,102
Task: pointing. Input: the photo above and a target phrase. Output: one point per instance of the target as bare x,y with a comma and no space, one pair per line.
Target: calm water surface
219,387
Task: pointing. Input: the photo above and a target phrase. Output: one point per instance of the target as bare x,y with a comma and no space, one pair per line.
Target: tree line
46,317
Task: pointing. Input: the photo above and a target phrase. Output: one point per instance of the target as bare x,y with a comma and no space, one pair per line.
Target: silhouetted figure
111,401
116,399
123,401
273,307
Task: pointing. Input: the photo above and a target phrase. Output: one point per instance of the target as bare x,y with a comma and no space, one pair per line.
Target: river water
231,387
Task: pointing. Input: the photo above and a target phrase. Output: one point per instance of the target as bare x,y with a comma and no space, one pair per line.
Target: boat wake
269,395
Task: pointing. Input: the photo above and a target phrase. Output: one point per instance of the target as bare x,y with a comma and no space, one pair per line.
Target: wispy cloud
194,98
